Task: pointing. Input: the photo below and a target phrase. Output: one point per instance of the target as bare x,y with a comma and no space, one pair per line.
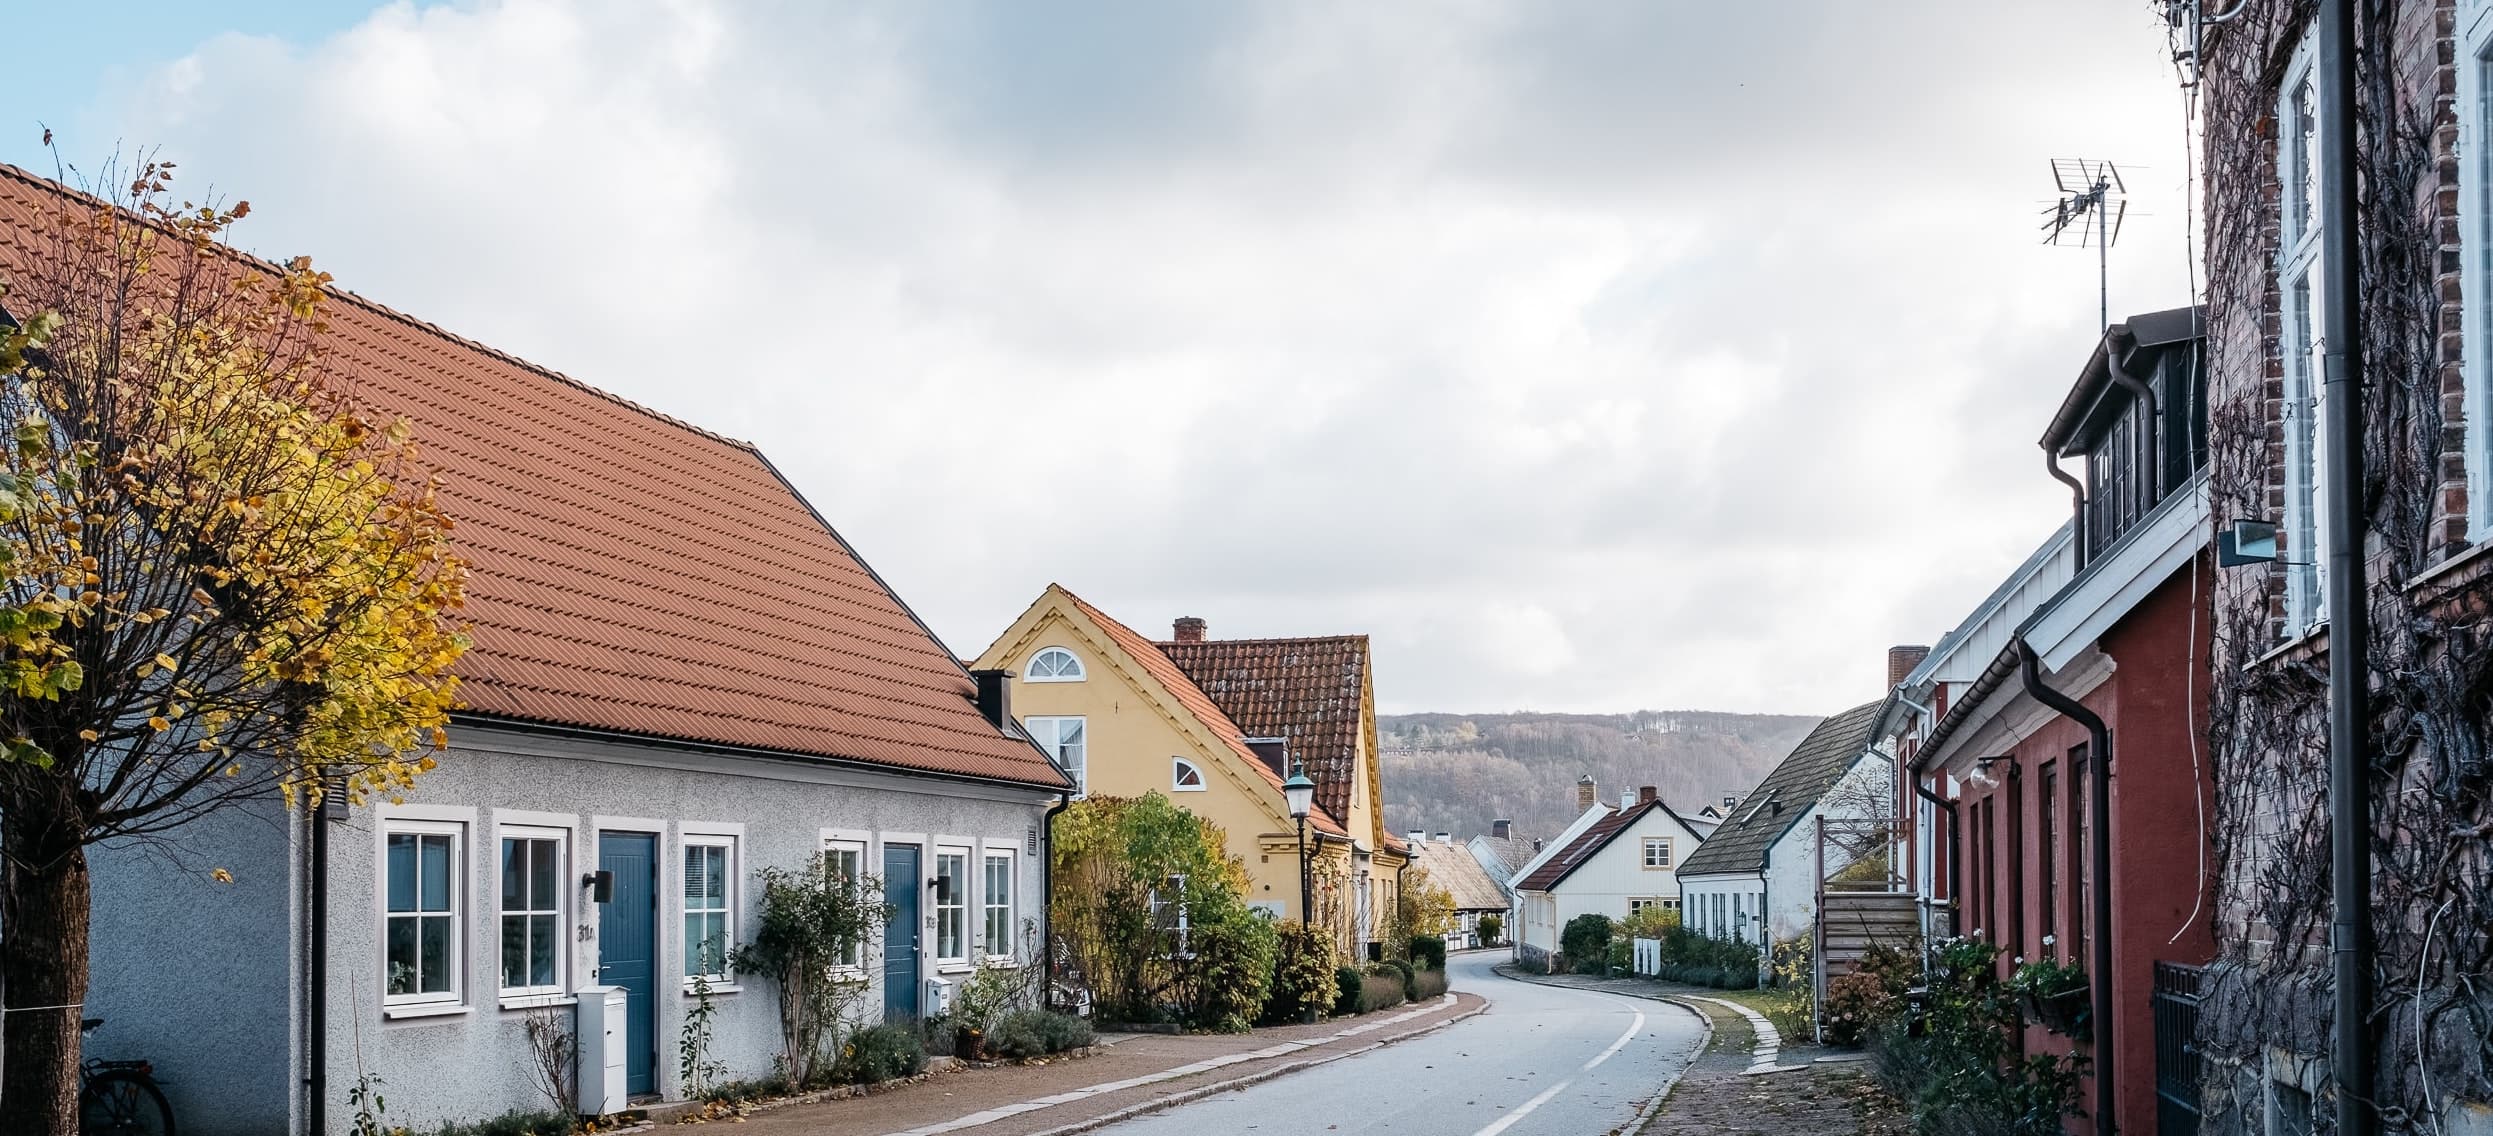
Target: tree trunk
43,963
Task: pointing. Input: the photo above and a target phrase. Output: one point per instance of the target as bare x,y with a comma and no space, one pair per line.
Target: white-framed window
995,896
2475,242
1185,776
1740,917
845,858
1053,664
2299,284
1066,740
952,885
1641,902
1658,853
1168,913
422,930
709,904
533,934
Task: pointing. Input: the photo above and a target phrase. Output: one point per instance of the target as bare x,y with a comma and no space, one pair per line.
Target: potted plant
2053,995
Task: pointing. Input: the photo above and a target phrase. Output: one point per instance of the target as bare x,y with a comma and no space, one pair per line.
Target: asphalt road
1544,1061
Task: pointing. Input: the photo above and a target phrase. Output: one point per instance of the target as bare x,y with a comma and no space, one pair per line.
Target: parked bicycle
119,1098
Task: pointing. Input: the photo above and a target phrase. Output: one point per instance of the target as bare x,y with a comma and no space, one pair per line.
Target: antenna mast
2089,210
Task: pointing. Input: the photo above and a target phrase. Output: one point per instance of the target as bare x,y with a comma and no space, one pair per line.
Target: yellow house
1216,724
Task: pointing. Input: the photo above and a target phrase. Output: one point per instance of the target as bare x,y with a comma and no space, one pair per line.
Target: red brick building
2085,669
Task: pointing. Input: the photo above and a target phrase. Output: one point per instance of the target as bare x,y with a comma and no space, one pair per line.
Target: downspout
2077,502
2341,374
1949,807
1047,886
316,968
2153,458
2099,865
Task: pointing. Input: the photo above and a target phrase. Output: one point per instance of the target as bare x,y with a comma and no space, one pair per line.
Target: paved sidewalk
1138,1073
1751,1082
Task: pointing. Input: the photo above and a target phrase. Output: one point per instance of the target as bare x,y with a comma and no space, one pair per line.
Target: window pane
514,875
542,874
514,951
541,940
433,878
717,877
402,871
2304,198
402,950
433,955
696,866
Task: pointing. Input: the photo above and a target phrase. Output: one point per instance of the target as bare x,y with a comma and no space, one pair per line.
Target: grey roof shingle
1805,774
1452,867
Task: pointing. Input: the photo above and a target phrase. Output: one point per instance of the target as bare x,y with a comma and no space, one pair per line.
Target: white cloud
1589,356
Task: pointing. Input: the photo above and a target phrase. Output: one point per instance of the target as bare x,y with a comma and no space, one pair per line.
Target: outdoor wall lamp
600,886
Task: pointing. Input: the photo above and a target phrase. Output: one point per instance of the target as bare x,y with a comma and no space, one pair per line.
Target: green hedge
1429,951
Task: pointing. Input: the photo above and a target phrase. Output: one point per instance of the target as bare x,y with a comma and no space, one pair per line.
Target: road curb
1199,1092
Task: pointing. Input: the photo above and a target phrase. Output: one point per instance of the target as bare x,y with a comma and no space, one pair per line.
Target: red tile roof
1200,704
1587,845
1306,690
637,575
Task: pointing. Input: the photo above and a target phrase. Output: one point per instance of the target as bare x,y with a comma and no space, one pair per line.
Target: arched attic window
1053,664
1185,776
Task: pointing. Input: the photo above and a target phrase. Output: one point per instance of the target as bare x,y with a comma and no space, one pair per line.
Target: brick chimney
1647,794
1502,829
1585,794
1190,629
1902,660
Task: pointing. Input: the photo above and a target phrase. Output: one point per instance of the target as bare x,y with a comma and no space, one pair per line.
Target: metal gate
2176,1049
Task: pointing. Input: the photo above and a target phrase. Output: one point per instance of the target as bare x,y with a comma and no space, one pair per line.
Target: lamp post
1301,794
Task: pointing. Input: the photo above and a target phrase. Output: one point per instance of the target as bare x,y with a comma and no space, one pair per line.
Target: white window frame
2475,242
455,998
684,910
854,842
987,905
1047,730
1669,854
2299,261
561,911
1081,670
1637,903
963,889
1178,768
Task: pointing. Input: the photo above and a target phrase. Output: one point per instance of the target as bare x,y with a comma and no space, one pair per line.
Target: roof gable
1813,767
635,575
1588,846
1311,691
1141,662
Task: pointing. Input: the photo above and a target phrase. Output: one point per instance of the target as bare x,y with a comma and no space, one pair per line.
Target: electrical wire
2189,672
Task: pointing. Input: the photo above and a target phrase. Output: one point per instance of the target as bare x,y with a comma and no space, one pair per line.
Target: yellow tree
225,580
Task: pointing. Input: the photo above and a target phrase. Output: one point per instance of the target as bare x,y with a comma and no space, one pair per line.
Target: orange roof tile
1307,690
637,575
1200,704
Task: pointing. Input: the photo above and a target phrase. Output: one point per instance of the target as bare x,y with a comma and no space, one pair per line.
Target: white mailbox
938,997
601,1028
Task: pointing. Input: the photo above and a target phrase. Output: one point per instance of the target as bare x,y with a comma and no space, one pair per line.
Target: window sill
715,988
535,1001
2468,563
424,1010
953,966
2309,644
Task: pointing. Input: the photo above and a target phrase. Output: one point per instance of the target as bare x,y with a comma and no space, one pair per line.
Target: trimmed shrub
1428,952
1380,988
882,1052
1222,980
1408,973
1065,1031
1429,984
1023,1034
1347,985
1585,943
1490,930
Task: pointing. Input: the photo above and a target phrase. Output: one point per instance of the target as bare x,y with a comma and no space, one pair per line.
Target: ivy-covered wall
2267,1009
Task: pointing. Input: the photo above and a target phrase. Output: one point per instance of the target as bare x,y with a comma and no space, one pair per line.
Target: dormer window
1185,776
1054,664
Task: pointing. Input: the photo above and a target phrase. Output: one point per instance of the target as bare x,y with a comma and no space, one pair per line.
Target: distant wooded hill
1457,772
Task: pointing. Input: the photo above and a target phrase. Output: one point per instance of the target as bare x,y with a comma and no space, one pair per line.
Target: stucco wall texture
223,1038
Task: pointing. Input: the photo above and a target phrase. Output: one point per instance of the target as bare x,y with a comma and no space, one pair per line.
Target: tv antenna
2089,210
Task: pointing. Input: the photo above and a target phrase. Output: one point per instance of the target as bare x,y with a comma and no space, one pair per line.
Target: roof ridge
1360,637
376,307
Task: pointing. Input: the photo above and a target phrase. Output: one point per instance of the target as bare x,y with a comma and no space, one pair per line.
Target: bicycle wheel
122,1102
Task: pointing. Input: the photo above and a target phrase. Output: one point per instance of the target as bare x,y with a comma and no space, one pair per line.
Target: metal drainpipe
1949,807
2154,465
2077,502
316,974
2341,371
1047,886
2099,865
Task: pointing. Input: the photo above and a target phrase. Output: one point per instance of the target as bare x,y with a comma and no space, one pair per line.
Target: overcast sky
1590,356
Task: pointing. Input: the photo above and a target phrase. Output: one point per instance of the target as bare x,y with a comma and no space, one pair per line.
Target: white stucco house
1755,877
1613,861
681,676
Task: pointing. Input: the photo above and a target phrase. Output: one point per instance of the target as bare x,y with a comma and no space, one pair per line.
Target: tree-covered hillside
1457,772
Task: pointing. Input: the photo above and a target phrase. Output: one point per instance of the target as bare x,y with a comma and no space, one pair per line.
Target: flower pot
970,1044
2066,1011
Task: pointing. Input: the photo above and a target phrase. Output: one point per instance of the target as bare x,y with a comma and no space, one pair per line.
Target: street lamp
1301,794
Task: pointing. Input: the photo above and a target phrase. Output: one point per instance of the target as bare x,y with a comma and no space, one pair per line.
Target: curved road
1544,1061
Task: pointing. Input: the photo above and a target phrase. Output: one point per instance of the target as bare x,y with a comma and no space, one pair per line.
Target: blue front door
627,948
902,889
